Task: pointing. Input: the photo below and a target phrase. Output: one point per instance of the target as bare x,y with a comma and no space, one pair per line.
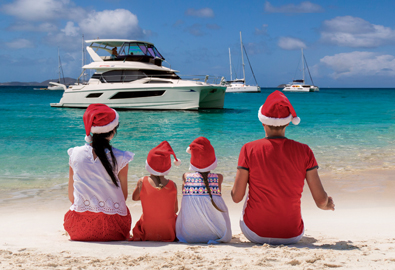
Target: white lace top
93,188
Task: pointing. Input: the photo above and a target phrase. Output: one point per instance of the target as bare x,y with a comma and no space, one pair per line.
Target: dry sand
359,234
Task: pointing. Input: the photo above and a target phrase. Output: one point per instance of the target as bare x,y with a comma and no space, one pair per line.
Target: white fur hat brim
107,128
209,168
277,122
152,171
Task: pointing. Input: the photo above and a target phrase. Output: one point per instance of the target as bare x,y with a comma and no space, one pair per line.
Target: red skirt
90,226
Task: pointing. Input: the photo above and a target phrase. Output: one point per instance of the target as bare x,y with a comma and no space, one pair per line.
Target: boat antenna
311,78
250,65
230,62
242,58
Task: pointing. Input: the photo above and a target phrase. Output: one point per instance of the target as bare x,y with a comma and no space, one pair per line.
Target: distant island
68,81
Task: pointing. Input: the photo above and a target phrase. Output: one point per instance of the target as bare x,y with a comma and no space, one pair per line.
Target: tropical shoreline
358,234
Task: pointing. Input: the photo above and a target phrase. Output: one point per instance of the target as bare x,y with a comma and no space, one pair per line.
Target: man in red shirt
274,169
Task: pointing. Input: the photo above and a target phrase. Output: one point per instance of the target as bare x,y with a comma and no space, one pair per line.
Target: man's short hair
277,127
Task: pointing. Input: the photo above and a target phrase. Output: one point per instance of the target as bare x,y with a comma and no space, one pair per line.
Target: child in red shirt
275,168
158,197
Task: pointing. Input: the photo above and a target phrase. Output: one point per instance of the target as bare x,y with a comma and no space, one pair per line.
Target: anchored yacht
239,85
131,76
300,85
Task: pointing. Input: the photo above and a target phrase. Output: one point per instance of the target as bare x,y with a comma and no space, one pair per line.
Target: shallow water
348,129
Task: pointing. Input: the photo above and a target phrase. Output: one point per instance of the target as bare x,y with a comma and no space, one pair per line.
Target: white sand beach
359,234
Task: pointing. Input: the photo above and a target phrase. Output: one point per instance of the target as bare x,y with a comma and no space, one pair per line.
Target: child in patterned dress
203,217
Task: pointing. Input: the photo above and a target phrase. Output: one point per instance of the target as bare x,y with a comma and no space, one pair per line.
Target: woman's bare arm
71,185
123,178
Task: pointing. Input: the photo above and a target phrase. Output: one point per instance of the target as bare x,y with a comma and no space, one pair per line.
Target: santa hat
277,111
158,161
99,118
202,155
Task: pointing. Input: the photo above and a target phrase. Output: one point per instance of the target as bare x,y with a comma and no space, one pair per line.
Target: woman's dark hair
205,179
99,144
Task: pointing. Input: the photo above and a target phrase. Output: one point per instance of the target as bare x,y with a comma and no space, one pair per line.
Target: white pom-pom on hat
88,139
177,162
295,120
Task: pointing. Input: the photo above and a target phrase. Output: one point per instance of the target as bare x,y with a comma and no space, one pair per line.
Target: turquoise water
348,129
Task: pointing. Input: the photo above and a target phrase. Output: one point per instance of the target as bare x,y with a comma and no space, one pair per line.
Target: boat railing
203,78
155,78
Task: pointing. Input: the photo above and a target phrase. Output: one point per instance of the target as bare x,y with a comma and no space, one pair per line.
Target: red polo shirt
277,168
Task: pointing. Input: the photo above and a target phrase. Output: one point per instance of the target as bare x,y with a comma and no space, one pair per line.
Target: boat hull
124,96
243,89
301,89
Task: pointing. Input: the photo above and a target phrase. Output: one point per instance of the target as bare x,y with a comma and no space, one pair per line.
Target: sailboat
299,85
239,85
57,85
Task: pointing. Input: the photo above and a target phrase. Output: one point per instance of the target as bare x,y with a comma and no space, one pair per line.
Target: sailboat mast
230,63
242,58
83,59
59,65
302,64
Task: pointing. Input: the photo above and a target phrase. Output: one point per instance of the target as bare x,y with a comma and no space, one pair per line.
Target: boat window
157,53
94,95
143,49
121,76
161,74
139,49
137,94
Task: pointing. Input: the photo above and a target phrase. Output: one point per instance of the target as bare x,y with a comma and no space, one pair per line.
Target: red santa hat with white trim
158,161
203,157
277,111
99,118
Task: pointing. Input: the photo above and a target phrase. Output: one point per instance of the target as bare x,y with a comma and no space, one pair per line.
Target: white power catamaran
299,85
239,85
134,78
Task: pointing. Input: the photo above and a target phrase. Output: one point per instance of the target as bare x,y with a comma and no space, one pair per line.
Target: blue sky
346,43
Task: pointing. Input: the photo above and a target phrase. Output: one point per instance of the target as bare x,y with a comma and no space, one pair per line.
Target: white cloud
119,23
359,63
288,43
43,10
355,32
33,27
20,43
303,7
262,30
204,12
70,29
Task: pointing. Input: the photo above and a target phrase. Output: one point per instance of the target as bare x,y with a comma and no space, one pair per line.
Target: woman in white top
98,181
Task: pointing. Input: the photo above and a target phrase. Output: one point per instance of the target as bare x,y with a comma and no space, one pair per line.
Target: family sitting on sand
274,168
